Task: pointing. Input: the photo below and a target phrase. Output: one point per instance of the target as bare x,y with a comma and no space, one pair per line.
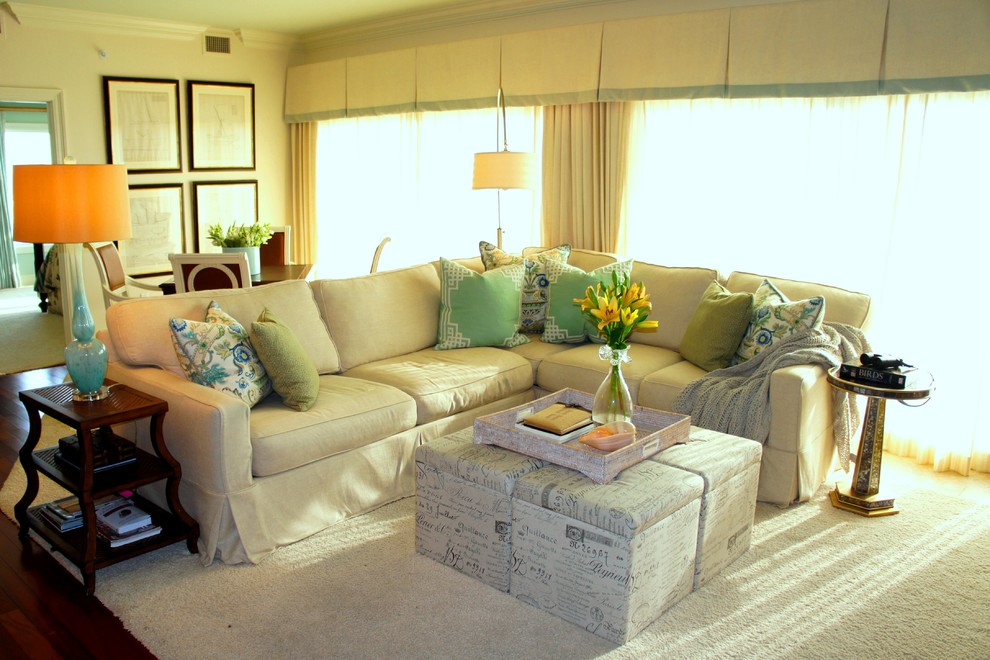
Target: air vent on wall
214,43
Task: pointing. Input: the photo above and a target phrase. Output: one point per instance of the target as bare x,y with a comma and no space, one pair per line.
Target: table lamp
504,169
71,205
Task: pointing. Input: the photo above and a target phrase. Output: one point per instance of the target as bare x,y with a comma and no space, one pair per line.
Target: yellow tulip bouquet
618,310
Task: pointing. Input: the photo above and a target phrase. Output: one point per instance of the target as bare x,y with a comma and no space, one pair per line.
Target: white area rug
816,583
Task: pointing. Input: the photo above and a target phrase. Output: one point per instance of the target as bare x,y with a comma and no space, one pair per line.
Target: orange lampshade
503,169
71,203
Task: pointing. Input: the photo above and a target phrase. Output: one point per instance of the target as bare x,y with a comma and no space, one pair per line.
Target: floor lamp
71,205
504,169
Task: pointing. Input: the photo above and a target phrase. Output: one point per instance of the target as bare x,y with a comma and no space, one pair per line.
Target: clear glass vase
612,401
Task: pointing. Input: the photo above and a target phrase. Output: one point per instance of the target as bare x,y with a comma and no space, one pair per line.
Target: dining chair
378,253
276,251
116,284
196,272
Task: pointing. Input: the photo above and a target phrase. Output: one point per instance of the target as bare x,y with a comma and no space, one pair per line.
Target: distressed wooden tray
655,430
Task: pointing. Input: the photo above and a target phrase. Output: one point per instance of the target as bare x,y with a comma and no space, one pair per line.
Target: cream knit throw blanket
736,400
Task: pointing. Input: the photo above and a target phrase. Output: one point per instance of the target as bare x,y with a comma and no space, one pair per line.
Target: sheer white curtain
884,195
408,176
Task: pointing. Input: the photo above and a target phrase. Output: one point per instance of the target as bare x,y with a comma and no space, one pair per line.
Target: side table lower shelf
72,544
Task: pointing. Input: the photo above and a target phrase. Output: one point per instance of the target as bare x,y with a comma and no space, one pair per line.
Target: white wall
66,58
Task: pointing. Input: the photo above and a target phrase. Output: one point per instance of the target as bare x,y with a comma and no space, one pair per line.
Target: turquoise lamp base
86,363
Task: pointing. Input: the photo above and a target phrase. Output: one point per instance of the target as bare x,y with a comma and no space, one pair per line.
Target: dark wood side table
81,546
863,495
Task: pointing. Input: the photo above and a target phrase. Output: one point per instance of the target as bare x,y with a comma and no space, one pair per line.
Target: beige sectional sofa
257,478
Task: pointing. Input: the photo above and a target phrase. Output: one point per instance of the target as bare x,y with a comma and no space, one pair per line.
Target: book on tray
559,419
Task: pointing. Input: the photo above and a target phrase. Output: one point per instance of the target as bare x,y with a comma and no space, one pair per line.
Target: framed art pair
143,131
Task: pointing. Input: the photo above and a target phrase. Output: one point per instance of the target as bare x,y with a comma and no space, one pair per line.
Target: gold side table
863,495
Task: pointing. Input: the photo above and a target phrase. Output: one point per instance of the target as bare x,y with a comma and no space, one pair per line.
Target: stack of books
894,378
118,520
109,451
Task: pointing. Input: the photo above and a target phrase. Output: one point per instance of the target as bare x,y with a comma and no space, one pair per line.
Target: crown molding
91,21
481,11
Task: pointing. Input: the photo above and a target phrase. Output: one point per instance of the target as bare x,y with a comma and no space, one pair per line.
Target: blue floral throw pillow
535,287
775,317
217,353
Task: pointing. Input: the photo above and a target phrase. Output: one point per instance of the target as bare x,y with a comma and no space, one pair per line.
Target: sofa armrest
801,436
206,430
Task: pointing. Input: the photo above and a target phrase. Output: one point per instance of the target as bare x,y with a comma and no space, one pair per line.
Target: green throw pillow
217,353
565,324
479,309
293,374
716,327
775,317
535,283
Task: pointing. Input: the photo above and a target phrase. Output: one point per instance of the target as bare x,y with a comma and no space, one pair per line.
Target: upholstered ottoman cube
611,557
730,467
463,505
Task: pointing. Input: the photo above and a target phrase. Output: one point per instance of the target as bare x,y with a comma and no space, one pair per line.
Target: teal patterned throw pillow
217,353
565,323
775,317
535,288
479,309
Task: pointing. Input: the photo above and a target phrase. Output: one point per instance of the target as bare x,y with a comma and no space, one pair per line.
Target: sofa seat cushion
444,383
582,369
537,350
659,390
348,413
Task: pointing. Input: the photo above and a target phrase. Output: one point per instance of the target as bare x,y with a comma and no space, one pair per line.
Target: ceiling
291,17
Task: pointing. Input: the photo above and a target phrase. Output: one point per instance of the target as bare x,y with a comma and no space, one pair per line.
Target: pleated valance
677,56
815,48
799,48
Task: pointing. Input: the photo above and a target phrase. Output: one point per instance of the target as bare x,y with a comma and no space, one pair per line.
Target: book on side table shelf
109,451
65,514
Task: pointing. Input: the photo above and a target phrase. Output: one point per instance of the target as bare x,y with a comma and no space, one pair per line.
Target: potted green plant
242,238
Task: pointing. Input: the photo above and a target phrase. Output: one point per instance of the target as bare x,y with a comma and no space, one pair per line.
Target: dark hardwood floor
43,611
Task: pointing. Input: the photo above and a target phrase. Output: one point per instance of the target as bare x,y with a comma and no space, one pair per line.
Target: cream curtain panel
303,162
791,49
584,172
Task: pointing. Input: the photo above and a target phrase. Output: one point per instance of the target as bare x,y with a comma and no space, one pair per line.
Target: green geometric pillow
716,327
535,284
479,309
217,353
775,317
565,324
293,374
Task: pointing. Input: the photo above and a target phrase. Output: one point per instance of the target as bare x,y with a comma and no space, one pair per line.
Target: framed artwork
225,203
156,229
221,120
141,117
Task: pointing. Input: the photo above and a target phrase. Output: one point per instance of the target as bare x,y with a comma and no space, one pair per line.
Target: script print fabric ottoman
612,557
463,505
730,466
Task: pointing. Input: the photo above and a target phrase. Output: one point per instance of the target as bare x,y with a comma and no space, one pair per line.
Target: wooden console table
268,275
863,495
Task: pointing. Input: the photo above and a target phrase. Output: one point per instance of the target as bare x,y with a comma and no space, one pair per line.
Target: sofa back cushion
675,293
586,260
841,306
139,328
381,315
